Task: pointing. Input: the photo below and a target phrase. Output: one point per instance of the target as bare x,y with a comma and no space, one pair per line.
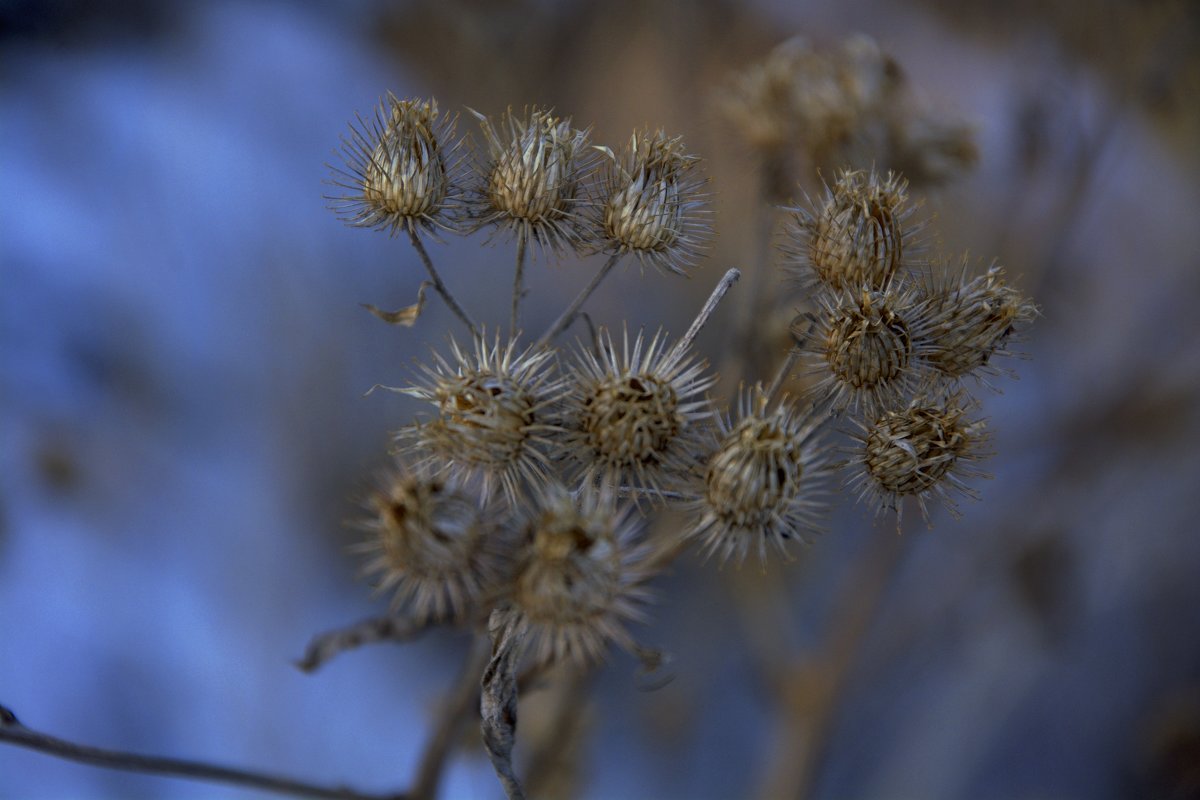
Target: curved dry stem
13,732
329,645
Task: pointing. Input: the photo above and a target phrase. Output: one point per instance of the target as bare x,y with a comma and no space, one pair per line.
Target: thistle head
651,203
868,346
635,418
972,321
856,236
400,168
764,482
492,414
579,578
430,544
922,451
531,177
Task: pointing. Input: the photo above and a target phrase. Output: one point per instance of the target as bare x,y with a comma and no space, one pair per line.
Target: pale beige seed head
579,579
493,414
764,481
532,177
651,202
402,168
429,544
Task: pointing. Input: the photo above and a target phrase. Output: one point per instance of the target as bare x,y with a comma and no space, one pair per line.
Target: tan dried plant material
581,575
636,417
923,451
867,347
765,482
651,203
531,178
858,234
432,544
973,321
402,169
493,415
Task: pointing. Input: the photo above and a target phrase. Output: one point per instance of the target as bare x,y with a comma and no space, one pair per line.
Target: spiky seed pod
923,451
531,178
973,321
868,347
636,418
857,235
401,168
651,203
580,576
493,414
766,481
430,544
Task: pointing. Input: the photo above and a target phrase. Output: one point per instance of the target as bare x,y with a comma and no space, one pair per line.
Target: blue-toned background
183,427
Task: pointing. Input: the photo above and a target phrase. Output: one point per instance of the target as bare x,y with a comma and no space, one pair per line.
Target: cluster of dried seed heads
525,489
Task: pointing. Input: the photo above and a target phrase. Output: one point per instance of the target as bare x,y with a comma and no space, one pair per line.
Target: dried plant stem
369,631
568,316
12,731
439,286
781,374
518,287
462,701
727,280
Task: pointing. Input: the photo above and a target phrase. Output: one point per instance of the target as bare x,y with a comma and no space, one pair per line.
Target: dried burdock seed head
795,96
580,577
766,481
636,418
923,451
492,421
402,168
867,346
430,544
651,203
856,236
972,321
530,178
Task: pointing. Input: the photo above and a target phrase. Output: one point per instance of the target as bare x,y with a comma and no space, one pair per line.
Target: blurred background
184,431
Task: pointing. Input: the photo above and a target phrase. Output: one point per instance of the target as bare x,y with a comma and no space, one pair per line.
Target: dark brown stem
439,286
13,732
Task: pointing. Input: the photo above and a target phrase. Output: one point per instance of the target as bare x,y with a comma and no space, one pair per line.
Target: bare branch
13,732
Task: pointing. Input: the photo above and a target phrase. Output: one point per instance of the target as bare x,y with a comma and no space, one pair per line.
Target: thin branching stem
518,287
329,645
568,316
439,286
729,279
13,732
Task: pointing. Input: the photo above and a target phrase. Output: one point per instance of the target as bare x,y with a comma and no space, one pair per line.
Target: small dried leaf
407,316
498,700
